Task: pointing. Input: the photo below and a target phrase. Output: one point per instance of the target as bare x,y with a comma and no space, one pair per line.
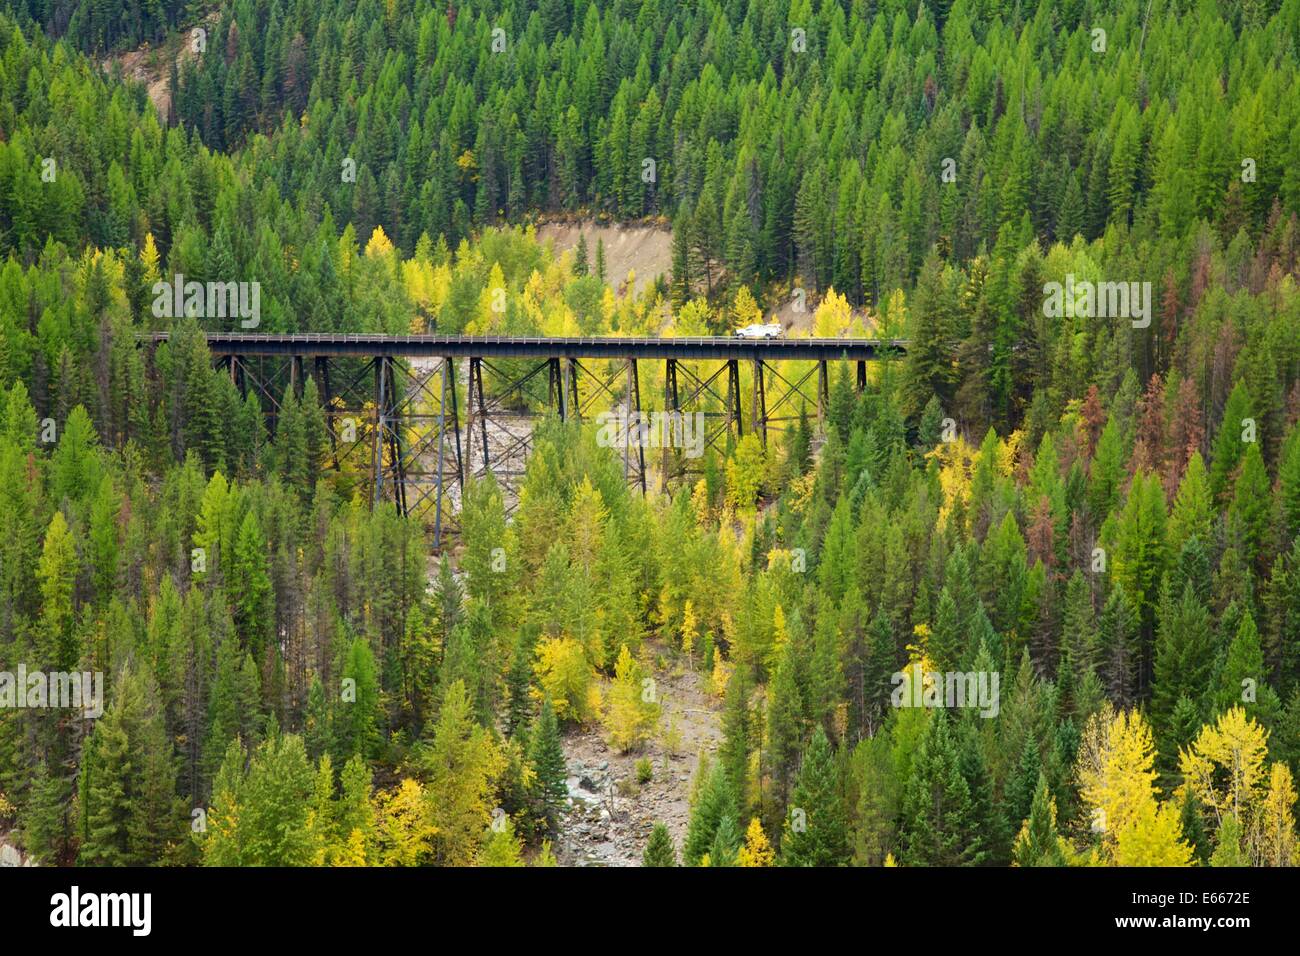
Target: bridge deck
460,346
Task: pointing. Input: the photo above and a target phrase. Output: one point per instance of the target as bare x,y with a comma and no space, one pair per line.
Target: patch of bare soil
644,250
151,65
610,816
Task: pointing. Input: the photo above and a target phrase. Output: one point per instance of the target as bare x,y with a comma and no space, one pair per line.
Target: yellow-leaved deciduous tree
1273,835
379,245
340,830
780,634
632,709
757,851
745,473
1008,452
957,461
744,310
559,322
692,319
690,627
149,262
1225,769
220,842
461,764
403,829
1153,837
565,676
893,320
352,852
426,286
721,676
586,532
716,581
502,847
1117,782
831,320
586,524
545,856
700,501
490,313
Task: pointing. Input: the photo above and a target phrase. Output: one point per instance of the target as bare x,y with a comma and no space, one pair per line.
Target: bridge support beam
418,463
503,402
720,413
758,408
634,471
823,393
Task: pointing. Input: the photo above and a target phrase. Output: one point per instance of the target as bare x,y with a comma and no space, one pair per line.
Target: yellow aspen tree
1273,833
586,524
1117,782
149,262
1224,767
745,310
721,675
757,851
1153,837
319,816
831,320
379,245
700,501
404,831
690,627
352,852
490,312
745,473
565,676
631,712
957,461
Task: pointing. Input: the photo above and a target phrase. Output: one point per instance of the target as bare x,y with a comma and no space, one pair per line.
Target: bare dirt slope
151,65
609,817
645,250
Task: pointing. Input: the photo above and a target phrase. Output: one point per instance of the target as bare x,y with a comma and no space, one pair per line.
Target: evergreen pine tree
938,819
816,827
659,850
546,758
1039,844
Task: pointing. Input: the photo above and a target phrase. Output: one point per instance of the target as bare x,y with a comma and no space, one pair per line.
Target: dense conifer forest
1092,513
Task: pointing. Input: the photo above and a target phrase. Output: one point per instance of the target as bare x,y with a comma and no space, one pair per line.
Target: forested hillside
1102,511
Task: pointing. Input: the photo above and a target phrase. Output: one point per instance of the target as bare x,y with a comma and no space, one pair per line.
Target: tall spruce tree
816,827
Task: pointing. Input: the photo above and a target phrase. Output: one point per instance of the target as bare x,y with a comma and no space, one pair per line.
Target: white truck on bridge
759,331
